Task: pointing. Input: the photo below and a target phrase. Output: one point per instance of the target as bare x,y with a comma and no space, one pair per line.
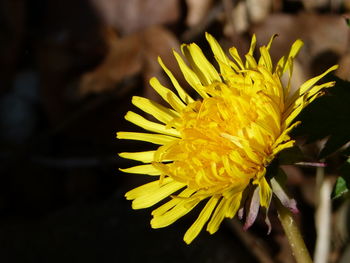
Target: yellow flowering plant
216,145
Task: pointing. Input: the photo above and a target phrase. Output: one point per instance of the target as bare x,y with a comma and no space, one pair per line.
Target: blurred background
68,70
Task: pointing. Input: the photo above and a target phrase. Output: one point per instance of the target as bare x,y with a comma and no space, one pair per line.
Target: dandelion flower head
213,148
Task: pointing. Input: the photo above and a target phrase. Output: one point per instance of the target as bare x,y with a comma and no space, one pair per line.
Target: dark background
68,70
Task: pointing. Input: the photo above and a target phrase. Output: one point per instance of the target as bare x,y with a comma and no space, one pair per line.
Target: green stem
295,239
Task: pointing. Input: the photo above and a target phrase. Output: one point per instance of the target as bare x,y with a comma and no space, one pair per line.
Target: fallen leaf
123,60
197,10
135,15
315,4
132,55
324,37
319,32
343,71
258,10
240,17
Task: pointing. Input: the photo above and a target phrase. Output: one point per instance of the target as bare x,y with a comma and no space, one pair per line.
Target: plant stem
295,239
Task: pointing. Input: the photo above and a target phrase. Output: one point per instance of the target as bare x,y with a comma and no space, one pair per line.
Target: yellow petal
265,59
250,62
270,42
286,62
166,93
283,146
142,169
218,216
298,100
288,118
149,194
294,50
146,188
147,137
308,84
233,205
182,93
252,46
284,134
220,56
190,76
203,217
187,192
227,71
179,208
265,193
158,111
199,63
148,199
234,53
145,157
149,125
216,49
317,89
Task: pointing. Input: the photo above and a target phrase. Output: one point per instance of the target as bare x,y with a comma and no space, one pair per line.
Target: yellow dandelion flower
215,147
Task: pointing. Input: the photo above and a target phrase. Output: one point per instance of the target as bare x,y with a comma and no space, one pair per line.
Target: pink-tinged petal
281,194
240,213
253,209
268,223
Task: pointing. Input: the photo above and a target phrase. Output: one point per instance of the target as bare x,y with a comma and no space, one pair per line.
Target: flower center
226,139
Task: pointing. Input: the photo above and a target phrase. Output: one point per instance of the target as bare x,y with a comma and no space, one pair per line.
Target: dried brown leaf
135,15
315,4
324,36
123,60
258,10
240,17
344,67
319,32
197,10
132,55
